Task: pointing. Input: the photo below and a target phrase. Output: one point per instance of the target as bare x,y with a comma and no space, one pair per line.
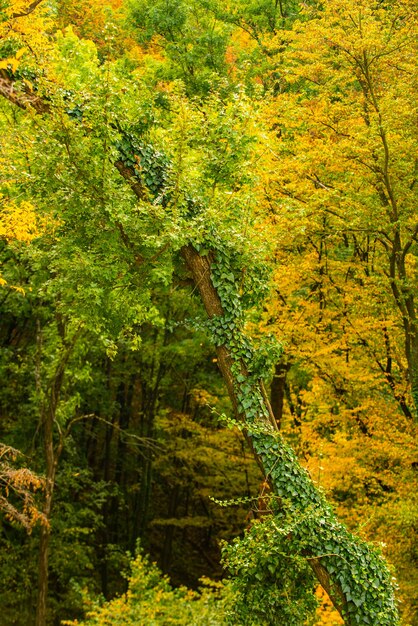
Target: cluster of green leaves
270,583
151,166
314,530
192,39
151,600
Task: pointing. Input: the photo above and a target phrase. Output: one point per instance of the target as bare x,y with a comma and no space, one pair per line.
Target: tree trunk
277,391
43,576
45,533
413,365
405,301
325,538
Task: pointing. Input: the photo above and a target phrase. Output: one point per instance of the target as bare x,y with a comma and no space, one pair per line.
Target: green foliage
130,405
270,583
259,17
355,566
76,62
193,40
151,600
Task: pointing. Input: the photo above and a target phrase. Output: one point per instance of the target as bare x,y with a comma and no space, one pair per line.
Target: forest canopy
209,331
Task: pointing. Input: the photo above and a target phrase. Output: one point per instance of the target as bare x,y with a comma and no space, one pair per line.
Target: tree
340,157
189,192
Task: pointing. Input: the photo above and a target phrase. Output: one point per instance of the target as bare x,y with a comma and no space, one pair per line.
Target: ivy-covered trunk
353,574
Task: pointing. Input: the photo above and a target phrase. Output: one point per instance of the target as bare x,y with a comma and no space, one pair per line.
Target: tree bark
277,391
43,563
51,458
200,268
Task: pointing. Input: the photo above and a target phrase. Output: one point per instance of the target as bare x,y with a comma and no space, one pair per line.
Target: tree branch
28,11
23,99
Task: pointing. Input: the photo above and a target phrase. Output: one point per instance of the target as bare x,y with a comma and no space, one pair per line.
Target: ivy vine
150,166
303,526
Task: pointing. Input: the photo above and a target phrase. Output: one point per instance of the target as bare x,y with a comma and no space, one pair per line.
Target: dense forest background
281,134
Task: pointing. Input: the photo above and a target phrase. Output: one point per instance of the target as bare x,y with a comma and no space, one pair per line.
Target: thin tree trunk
277,391
43,563
45,533
52,456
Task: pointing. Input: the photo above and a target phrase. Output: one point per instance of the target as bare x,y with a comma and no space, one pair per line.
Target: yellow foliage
327,615
23,484
13,62
338,183
25,27
18,221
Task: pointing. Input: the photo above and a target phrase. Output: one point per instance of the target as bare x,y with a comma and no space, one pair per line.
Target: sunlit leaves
18,221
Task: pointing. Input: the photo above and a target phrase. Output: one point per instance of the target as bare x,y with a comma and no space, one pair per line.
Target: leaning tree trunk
353,574
355,577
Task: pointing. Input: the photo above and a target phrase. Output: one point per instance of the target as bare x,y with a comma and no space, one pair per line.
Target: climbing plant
304,525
